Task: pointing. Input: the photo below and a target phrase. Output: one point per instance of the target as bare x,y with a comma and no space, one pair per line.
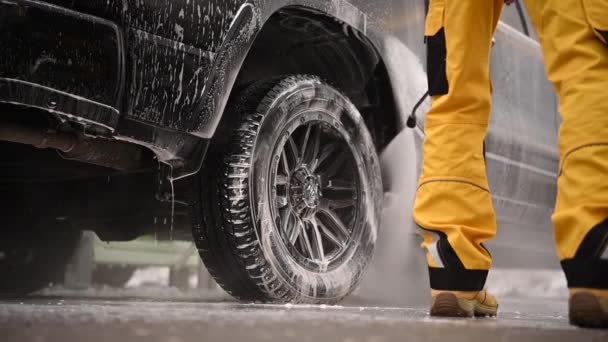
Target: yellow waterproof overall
453,204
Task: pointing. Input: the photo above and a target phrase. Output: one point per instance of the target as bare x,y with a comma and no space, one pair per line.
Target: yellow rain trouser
453,204
573,34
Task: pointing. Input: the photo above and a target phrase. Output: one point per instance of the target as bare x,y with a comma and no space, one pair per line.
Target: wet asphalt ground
91,320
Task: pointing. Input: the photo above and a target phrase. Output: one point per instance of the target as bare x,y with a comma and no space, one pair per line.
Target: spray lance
411,120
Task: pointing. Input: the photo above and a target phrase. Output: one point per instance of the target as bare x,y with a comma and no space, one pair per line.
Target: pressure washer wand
411,120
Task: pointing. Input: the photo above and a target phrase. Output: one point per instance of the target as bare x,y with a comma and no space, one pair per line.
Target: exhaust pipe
97,151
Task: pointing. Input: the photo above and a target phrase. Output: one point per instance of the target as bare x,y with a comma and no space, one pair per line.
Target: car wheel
31,260
290,211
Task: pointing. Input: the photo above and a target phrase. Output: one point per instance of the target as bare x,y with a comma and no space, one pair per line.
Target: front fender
245,27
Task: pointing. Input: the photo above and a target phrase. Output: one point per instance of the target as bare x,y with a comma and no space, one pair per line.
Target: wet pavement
56,319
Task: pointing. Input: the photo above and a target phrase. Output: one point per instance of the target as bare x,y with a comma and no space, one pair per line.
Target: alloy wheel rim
315,190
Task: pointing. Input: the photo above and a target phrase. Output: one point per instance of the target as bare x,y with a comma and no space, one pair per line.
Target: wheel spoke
335,223
296,230
335,165
286,167
318,240
305,142
327,151
311,152
307,244
340,243
291,145
338,203
302,244
285,217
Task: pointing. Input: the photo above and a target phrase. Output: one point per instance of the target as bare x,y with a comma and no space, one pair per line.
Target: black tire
271,232
114,276
31,260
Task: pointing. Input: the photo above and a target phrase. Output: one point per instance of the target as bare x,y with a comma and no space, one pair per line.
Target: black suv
254,125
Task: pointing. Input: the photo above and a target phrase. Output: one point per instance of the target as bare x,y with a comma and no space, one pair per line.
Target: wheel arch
302,40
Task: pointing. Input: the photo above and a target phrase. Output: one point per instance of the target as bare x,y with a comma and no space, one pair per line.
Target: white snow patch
527,283
158,276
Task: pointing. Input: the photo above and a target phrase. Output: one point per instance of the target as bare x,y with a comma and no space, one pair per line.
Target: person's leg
572,36
453,204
